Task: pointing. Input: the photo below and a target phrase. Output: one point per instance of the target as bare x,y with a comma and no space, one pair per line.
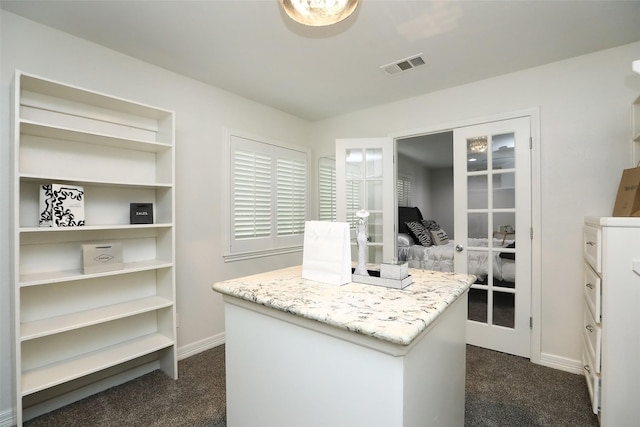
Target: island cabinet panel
318,361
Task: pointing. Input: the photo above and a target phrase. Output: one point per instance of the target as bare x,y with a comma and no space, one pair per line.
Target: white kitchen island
303,353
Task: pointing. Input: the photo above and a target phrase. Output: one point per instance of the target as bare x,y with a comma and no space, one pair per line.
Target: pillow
404,239
406,214
419,233
439,237
430,224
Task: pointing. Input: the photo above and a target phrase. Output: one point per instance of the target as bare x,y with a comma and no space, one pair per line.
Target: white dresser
611,354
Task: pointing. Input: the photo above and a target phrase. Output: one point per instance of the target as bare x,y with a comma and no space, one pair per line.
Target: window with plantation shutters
267,197
291,179
327,189
403,191
252,194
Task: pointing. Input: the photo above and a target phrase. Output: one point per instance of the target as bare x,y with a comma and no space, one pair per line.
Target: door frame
536,221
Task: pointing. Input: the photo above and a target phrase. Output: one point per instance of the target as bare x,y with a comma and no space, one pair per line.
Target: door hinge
531,233
530,143
530,322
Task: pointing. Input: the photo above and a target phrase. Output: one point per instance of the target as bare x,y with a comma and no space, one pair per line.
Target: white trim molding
200,346
562,363
7,418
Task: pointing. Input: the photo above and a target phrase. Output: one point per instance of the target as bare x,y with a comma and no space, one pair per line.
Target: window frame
239,249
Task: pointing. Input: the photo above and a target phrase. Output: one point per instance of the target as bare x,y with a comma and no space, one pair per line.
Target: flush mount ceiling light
318,13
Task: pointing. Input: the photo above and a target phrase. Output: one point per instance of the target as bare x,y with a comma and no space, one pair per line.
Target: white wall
441,190
585,142
420,182
202,113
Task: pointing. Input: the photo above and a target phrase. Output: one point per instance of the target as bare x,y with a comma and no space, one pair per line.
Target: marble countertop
394,315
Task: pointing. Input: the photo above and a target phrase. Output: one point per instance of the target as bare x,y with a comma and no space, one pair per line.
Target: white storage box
394,270
61,205
374,279
100,257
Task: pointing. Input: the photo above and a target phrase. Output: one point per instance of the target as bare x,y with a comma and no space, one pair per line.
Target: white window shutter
403,190
252,195
327,190
291,178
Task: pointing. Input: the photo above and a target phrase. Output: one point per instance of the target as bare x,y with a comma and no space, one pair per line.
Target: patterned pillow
440,237
430,224
420,234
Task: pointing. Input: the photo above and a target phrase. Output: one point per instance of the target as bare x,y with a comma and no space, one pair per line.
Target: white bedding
440,258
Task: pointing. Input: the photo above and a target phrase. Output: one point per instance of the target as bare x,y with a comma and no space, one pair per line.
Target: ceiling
252,49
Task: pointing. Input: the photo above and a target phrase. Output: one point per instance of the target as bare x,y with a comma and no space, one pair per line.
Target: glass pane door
491,227
364,180
492,213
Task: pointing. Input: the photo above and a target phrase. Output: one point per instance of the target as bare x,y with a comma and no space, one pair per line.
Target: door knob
459,248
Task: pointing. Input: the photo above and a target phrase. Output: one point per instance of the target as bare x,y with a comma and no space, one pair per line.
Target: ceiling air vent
403,65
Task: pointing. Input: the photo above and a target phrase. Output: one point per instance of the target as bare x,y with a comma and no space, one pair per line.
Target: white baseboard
562,363
200,346
7,419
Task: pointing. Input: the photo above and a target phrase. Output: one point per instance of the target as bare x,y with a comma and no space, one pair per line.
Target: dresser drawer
593,383
592,339
592,247
593,292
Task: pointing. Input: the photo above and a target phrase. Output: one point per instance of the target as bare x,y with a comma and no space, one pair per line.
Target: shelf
57,373
55,325
66,180
68,276
32,128
93,228
63,91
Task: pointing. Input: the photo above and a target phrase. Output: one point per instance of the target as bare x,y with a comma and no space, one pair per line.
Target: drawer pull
590,243
587,368
589,328
589,285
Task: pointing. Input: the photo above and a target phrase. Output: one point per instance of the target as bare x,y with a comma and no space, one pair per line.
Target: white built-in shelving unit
75,333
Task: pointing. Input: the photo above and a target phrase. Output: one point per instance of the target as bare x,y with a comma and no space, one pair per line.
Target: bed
440,253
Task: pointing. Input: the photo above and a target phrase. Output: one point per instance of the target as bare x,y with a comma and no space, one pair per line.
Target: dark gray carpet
504,391
501,390
197,398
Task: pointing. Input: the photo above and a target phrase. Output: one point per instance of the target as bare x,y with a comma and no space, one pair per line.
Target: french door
365,179
492,211
492,181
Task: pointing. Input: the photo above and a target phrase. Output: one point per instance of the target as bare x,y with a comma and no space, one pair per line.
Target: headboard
406,214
